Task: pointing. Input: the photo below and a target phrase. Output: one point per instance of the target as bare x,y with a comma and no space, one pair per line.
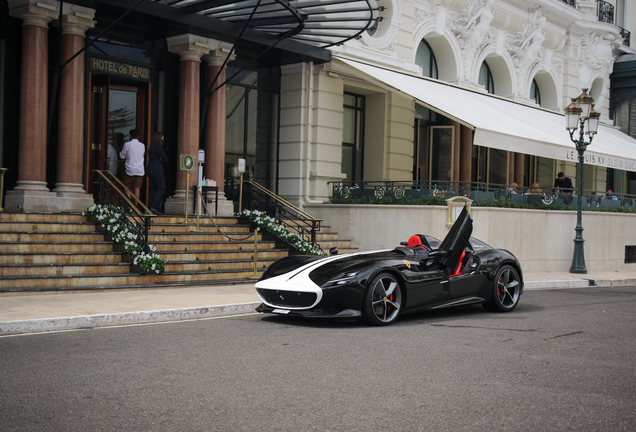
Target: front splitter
332,312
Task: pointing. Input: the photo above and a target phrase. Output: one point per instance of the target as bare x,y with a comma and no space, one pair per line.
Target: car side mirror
438,254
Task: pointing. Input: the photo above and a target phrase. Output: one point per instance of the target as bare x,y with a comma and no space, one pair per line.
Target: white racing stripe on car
298,279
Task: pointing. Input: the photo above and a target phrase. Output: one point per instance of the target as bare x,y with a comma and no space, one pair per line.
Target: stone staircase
45,252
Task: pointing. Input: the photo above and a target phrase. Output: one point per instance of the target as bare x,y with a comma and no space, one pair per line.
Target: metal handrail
136,215
256,197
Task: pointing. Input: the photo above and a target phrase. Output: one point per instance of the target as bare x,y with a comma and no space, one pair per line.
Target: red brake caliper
390,297
499,288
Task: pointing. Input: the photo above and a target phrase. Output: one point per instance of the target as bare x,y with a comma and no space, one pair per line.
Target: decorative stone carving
473,31
422,15
473,25
526,48
596,51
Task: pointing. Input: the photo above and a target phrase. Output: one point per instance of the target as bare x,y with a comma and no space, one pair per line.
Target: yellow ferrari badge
408,264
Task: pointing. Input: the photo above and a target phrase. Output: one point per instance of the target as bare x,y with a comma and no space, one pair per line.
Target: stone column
520,160
456,150
70,148
511,168
31,192
214,132
466,153
191,48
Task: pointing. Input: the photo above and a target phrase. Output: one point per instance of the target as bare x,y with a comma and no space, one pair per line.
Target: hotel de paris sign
120,69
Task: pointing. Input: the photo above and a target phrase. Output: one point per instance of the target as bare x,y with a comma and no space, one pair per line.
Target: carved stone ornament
596,51
422,15
525,46
473,24
472,28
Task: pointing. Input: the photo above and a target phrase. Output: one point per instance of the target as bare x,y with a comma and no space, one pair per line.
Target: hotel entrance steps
48,252
45,252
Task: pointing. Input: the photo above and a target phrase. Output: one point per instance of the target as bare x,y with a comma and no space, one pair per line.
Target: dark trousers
157,189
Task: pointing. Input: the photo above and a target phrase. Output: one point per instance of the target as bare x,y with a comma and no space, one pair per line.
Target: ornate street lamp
581,115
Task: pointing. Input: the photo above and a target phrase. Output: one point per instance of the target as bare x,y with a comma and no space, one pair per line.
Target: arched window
485,78
424,57
534,92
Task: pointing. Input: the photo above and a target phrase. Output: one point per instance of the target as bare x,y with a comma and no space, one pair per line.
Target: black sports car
380,285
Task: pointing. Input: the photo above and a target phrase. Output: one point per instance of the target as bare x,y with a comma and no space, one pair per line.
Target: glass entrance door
114,110
122,117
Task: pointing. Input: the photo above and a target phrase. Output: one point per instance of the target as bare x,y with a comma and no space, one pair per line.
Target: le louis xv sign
606,161
120,69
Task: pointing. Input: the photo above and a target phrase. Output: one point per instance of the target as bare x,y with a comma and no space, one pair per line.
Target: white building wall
399,155
563,48
293,133
541,240
326,134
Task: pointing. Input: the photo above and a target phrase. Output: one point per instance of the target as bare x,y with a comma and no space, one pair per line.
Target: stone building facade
432,90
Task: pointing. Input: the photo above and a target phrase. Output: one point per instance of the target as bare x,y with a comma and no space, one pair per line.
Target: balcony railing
625,34
436,192
605,11
570,2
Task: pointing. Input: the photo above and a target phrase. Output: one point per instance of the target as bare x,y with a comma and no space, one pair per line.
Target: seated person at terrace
534,190
610,195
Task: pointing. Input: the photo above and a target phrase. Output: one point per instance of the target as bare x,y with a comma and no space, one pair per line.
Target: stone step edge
116,275
125,263
124,287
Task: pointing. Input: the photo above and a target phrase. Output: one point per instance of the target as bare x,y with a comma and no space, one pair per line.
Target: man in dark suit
564,183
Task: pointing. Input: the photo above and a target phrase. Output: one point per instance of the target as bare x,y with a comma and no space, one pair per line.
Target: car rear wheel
506,290
382,300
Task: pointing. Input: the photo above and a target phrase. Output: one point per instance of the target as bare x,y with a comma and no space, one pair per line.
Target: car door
427,282
456,241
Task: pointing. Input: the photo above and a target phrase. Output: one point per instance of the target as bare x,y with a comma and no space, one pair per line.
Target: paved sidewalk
55,312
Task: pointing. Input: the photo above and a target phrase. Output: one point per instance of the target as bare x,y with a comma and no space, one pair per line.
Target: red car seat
415,240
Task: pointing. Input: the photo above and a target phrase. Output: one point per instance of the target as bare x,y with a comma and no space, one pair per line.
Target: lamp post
580,115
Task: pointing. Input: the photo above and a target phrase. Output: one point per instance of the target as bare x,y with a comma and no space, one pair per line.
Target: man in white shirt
133,151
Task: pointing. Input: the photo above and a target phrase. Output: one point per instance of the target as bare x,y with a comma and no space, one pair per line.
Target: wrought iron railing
411,191
135,214
570,2
256,197
626,35
605,11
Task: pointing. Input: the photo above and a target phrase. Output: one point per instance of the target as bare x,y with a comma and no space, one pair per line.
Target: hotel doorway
116,107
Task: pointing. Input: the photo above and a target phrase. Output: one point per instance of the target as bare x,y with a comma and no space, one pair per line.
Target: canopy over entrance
300,30
500,123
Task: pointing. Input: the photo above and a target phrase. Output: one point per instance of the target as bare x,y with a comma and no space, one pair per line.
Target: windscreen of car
433,242
475,244
478,245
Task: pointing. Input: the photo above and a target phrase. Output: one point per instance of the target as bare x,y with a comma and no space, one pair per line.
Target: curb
578,283
40,325
128,318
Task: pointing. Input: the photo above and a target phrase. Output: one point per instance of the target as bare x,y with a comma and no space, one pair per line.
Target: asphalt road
563,360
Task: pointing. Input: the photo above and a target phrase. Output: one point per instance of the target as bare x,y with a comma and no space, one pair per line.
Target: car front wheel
382,300
506,290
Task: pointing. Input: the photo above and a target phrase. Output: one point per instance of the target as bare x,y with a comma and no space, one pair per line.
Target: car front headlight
342,279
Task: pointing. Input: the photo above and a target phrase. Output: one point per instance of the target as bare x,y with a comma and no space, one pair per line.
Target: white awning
501,123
